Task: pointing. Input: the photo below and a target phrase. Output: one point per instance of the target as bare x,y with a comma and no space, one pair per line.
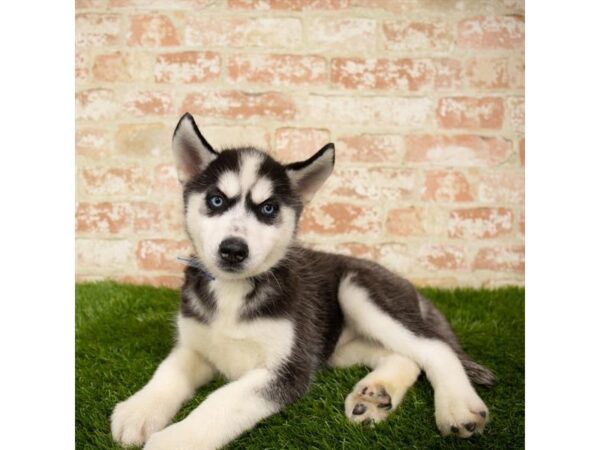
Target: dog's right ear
192,152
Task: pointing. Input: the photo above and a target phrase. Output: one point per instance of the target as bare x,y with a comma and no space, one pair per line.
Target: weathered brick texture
423,99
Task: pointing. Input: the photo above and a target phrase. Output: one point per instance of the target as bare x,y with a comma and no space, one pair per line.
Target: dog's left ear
192,152
308,176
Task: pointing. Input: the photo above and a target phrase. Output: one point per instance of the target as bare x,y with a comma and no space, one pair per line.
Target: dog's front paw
174,437
137,418
461,414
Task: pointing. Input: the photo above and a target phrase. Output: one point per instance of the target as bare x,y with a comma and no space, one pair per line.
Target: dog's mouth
231,267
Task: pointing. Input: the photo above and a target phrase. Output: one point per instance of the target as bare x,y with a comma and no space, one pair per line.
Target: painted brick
173,215
516,72
147,217
468,112
94,255
298,144
502,187
160,4
96,104
240,105
93,142
342,34
369,148
370,185
488,73
143,140
491,32
446,186
277,70
82,62
97,30
289,5
401,74
516,113
236,136
448,74
340,218
152,30
521,224
405,222
89,4
406,35
442,257
122,66
165,179
380,110
480,223
102,181
457,150
161,254
102,218
396,257
187,67
522,152
117,218
243,32
501,258
356,249
143,103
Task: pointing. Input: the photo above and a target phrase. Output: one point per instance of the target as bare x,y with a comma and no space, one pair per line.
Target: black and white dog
268,314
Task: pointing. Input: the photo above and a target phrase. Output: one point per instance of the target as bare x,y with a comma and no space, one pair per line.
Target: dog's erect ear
308,176
192,152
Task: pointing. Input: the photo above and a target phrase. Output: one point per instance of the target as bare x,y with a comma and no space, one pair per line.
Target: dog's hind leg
458,408
382,390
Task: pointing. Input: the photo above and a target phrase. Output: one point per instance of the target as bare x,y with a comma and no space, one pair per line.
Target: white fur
153,407
262,190
229,184
456,401
223,416
249,166
235,347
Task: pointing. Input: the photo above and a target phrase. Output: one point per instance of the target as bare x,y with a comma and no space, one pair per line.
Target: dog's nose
233,250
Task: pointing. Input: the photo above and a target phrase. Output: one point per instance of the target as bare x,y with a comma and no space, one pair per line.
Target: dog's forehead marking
249,166
229,184
261,190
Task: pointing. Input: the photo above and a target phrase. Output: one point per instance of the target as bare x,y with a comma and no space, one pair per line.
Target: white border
37,237
563,224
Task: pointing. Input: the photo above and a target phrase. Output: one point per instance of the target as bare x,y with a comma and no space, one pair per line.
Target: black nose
233,250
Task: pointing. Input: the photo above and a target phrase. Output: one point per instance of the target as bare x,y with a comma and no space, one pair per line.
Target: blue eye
268,209
216,201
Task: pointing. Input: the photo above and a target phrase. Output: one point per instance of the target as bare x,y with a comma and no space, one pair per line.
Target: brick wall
424,100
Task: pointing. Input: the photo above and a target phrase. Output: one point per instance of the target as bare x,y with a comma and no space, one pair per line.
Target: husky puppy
268,314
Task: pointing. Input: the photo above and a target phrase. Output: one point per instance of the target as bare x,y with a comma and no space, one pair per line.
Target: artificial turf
124,331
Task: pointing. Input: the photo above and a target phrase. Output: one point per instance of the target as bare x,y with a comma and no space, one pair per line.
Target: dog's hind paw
460,415
368,403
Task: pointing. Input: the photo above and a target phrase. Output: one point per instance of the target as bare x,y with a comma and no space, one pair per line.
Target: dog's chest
235,346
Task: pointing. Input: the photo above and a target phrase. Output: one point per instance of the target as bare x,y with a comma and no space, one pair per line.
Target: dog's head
241,206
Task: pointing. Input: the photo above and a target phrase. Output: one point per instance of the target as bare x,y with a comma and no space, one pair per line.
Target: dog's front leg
152,408
224,415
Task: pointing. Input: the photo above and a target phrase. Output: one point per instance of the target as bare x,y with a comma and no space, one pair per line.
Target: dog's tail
435,319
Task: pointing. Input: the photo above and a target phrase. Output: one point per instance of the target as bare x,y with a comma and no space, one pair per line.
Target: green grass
123,332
